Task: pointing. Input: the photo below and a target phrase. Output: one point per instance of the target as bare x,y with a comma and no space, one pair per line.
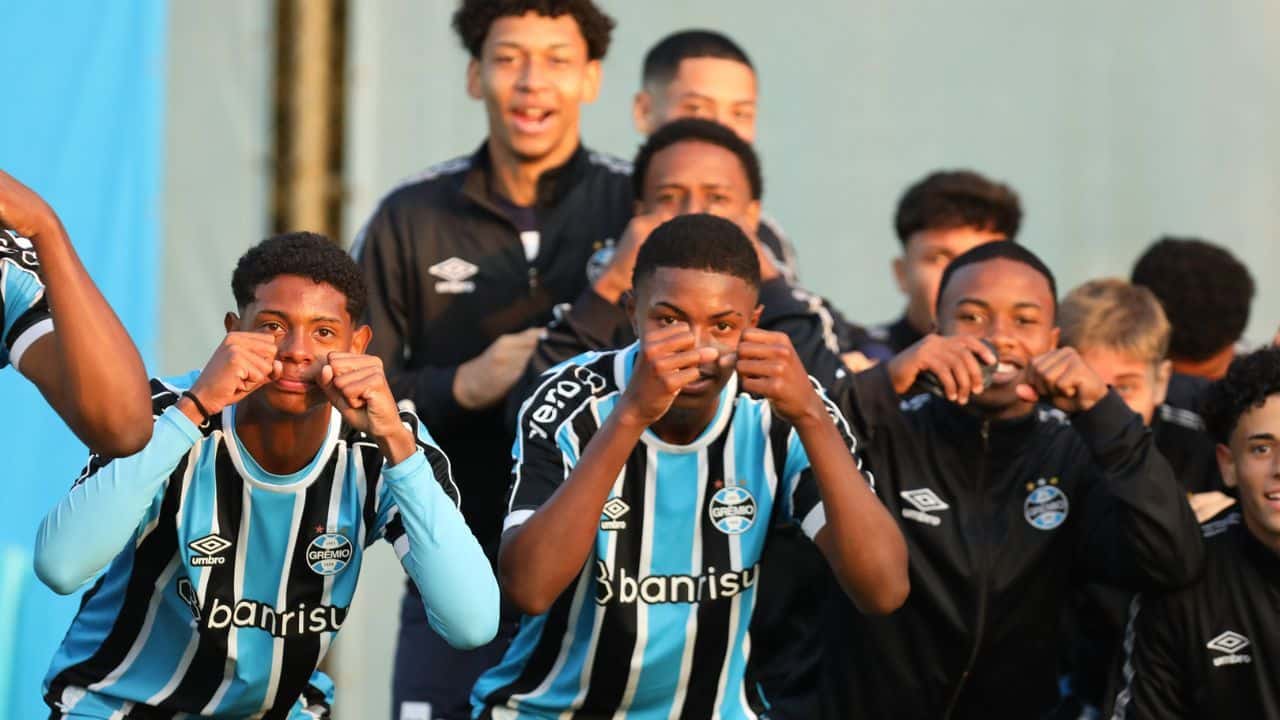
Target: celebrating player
646,482
60,333
233,541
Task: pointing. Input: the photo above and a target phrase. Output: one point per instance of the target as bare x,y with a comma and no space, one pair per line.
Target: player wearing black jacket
1008,497
1208,651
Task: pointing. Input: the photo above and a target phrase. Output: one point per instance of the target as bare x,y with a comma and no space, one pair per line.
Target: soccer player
60,333
705,74
233,541
1008,496
647,480
1208,651
938,219
466,263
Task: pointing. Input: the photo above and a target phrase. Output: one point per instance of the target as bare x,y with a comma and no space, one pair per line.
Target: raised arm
87,368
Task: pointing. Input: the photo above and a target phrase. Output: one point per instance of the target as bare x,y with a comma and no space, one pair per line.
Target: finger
977,347
766,337
959,369
974,371
326,376
675,381
355,377
727,360
529,336
762,386
759,351
277,369
682,360
760,368
942,370
681,342
668,333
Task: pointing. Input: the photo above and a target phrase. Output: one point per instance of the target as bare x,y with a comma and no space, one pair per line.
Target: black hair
473,18
950,199
663,60
1205,291
998,251
696,130
1249,381
305,254
698,242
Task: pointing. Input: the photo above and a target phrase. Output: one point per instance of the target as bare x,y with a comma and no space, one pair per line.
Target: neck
1212,367
281,444
1269,540
681,426
516,178
1009,412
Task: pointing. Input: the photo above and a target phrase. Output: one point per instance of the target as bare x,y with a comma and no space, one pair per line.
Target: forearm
443,558
540,557
88,527
99,383
860,540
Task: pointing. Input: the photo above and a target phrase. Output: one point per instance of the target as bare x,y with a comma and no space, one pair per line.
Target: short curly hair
950,199
473,18
1205,291
696,130
1249,381
698,242
305,254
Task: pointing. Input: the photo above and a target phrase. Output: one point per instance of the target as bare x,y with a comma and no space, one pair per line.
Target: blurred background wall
1115,122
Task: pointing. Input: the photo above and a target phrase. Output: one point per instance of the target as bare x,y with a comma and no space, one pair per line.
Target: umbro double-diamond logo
1231,644
209,550
924,503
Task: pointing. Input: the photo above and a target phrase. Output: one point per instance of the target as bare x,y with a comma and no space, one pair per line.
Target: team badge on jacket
1047,506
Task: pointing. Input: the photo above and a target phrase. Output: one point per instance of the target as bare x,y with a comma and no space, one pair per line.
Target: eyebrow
1262,436
518,46
312,319
1018,305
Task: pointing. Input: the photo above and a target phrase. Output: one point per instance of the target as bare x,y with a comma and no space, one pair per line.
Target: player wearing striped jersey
646,482
233,541
89,369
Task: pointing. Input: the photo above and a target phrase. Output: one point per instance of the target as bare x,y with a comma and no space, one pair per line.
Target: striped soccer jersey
235,581
24,312
656,625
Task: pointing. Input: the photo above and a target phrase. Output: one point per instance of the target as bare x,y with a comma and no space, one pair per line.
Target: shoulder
1181,418
1217,530
18,251
417,196
566,388
612,165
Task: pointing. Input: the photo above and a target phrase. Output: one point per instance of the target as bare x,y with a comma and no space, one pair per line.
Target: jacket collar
553,184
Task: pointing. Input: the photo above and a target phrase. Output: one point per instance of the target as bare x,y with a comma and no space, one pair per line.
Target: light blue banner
81,122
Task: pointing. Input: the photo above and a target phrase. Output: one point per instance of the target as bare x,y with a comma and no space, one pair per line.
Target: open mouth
1005,371
1273,498
531,121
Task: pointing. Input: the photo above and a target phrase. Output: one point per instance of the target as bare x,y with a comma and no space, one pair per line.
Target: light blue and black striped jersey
24,313
231,587
655,627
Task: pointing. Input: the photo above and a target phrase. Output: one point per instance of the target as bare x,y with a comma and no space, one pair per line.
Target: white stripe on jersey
735,605
144,634
282,595
335,514
237,459
1127,672
242,547
691,624
23,342
123,712
647,539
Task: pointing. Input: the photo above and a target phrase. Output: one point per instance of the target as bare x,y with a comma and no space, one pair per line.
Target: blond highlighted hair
1116,315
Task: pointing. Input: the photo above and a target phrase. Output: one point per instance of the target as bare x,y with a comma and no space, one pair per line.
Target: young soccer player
233,541
1208,651
60,333
647,480
1009,494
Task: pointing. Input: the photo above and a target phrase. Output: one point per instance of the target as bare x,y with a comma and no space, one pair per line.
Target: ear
474,87
1226,465
591,76
1164,371
900,272
629,302
753,214
231,322
754,320
1053,337
360,339
641,108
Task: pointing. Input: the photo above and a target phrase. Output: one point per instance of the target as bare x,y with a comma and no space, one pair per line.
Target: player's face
698,177
1009,304
926,255
717,308
533,75
309,320
710,88
1251,464
1141,383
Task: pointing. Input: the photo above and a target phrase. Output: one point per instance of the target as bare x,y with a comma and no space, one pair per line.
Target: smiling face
1010,304
925,255
707,87
716,307
1251,464
309,320
1141,383
699,177
533,74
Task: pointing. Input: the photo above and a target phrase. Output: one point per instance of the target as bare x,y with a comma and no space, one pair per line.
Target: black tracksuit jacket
1002,519
447,274
1209,650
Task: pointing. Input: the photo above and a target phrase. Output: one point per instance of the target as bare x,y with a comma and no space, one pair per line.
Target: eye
326,333
1027,321
724,326
1260,450
271,326
721,198
665,320
968,316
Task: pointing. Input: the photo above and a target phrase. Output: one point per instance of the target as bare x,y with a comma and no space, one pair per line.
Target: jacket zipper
981,578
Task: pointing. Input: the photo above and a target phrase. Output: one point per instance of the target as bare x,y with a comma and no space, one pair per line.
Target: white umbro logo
613,510
1230,643
925,501
454,274
210,548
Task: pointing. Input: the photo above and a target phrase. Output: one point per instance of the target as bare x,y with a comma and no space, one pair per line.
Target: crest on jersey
732,510
329,554
1046,507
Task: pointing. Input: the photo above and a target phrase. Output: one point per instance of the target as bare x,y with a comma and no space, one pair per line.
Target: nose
294,346
998,332
532,75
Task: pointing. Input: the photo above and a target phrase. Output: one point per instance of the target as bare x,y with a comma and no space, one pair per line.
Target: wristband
199,407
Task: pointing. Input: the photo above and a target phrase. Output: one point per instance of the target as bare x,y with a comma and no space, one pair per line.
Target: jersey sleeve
801,501
26,312
436,469
1152,684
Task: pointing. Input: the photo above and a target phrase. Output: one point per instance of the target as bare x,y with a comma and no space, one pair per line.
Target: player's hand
768,366
668,360
768,268
857,362
616,278
484,380
24,211
243,362
954,359
1062,378
1207,504
357,386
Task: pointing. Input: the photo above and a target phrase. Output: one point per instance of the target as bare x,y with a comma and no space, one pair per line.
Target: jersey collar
624,362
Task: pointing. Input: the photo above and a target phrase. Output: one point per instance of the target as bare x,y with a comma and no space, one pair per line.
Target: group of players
692,488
